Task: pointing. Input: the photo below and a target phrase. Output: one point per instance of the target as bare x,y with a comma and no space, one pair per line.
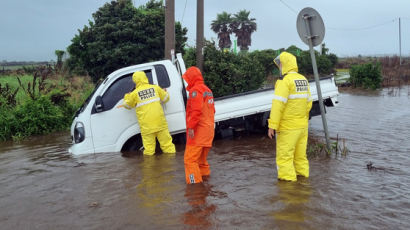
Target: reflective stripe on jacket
292,100
147,99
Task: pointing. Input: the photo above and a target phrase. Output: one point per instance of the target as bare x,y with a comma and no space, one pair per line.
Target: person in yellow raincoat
147,99
289,117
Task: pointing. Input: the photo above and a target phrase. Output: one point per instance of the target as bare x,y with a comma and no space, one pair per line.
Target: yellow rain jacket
147,99
292,100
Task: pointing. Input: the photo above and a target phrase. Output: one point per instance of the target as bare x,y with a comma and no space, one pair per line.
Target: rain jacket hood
288,62
139,78
193,76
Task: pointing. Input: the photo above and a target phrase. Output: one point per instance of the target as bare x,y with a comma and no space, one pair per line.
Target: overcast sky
31,30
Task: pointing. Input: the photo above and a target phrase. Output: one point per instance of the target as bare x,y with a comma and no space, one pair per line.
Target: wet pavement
43,187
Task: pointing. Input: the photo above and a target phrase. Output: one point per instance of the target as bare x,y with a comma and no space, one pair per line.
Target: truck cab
99,126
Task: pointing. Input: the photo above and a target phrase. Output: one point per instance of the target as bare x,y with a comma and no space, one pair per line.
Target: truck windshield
84,105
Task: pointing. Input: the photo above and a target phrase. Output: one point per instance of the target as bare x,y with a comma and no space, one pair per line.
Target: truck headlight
79,132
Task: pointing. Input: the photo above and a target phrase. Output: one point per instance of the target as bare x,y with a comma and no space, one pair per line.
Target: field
79,87
13,83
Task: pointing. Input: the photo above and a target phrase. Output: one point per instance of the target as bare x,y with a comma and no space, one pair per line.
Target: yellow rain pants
164,139
291,157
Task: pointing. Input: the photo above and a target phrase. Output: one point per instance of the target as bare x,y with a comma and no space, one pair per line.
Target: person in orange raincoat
200,112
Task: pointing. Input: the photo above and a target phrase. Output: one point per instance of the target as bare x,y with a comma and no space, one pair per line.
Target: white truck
99,126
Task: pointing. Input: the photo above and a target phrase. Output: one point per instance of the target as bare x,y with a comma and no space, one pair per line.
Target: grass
79,87
317,148
14,84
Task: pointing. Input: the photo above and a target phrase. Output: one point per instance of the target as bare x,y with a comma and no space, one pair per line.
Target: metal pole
400,38
315,72
200,34
169,28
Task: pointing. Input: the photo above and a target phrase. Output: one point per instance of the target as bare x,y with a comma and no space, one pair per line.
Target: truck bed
259,101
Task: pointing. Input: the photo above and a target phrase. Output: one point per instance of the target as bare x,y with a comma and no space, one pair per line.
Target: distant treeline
22,63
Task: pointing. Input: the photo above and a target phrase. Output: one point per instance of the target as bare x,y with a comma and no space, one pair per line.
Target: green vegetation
41,103
366,75
227,73
317,148
326,62
393,73
121,35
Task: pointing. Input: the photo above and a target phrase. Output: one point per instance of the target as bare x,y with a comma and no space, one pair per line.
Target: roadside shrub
366,75
226,73
6,122
265,57
8,95
40,104
37,117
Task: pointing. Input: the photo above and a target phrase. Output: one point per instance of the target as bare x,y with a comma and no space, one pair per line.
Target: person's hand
191,133
271,133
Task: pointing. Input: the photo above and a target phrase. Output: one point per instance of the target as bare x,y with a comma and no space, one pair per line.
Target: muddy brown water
43,187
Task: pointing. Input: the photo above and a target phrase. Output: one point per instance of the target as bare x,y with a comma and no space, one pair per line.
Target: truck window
118,89
162,76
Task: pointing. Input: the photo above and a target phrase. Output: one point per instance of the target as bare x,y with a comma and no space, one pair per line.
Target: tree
121,35
324,50
59,54
243,27
222,27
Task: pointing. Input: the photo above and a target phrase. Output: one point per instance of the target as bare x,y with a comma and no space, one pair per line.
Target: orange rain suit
200,112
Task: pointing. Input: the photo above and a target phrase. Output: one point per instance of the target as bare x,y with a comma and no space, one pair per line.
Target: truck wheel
132,147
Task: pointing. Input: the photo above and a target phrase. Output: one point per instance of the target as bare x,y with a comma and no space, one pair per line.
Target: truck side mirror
99,105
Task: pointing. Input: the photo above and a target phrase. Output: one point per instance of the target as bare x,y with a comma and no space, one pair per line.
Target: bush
6,122
50,110
226,73
38,117
366,75
325,62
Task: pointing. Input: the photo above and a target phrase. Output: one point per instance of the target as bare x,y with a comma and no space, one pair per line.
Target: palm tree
243,27
59,54
221,26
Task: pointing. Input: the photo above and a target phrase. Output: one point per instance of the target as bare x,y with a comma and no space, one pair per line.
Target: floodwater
43,187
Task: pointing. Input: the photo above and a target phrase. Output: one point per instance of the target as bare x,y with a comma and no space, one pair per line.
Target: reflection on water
293,199
43,187
200,211
157,185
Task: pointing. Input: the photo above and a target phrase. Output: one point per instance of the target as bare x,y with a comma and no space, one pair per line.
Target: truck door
174,109
108,122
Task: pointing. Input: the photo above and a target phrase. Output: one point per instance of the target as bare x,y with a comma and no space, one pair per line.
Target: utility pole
400,38
169,28
200,34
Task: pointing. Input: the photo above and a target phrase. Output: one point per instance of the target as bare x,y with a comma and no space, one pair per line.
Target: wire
183,14
294,11
363,28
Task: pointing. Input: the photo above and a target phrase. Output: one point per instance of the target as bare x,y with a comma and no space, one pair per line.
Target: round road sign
310,25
